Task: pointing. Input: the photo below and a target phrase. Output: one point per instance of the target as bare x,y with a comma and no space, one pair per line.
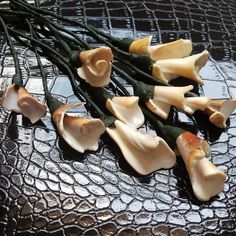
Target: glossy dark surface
48,189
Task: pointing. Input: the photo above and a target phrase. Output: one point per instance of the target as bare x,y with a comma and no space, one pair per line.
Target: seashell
220,110
140,46
17,99
206,179
145,153
127,110
176,49
80,133
165,97
96,66
188,67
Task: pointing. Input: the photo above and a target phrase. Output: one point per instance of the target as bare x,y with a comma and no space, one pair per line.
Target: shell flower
165,97
220,110
176,49
96,66
127,110
17,99
188,67
145,153
206,179
80,133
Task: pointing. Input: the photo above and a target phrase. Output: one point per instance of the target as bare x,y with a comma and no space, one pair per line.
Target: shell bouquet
91,71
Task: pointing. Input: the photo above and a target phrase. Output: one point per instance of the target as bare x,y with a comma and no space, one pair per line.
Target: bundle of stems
66,53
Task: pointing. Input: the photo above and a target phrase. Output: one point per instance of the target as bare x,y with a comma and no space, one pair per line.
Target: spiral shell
80,133
96,66
140,46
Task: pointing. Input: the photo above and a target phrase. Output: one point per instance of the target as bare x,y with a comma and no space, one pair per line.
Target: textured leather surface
47,188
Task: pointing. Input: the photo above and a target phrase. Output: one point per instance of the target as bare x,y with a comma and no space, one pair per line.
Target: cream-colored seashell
145,153
96,66
165,97
140,46
220,110
176,49
127,110
206,179
188,67
20,101
80,133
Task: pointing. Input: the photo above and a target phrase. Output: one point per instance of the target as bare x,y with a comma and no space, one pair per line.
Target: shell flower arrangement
121,116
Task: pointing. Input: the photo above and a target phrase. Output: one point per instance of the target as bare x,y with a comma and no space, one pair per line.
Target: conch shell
96,66
176,49
145,153
206,179
80,133
17,99
127,110
166,96
188,67
220,110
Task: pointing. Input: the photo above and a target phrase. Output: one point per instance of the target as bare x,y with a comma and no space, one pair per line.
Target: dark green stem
142,90
123,44
74,22
73,55
17,78
33,12
53,103
168,132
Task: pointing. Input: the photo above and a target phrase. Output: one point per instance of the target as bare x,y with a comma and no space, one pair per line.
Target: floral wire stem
17,78
53,103
54,28
32,11
73,55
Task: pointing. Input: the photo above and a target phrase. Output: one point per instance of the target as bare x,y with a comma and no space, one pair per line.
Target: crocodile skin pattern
48,189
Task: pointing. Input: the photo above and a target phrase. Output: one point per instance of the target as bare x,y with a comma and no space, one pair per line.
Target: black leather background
48,189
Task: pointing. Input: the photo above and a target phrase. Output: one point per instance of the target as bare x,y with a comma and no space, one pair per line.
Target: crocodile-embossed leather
46,188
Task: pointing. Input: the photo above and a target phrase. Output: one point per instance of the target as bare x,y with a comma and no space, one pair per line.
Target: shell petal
140,46
206,179
80,133
172,95
143,152
176,49
20,101
187,67
96,66
127,110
